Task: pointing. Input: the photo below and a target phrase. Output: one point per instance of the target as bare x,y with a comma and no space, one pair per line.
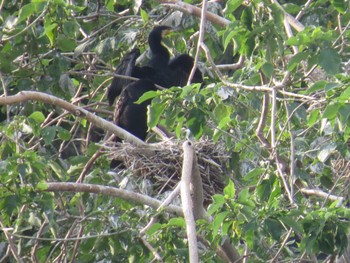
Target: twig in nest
163,166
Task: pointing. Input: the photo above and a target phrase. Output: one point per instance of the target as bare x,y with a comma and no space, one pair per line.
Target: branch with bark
77,111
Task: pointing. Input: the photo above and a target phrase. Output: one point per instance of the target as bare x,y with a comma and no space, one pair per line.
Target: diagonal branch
111,191
77,111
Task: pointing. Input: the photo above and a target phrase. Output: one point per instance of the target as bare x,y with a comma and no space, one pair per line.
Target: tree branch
319,193
24,96
111,191
191,9
186,200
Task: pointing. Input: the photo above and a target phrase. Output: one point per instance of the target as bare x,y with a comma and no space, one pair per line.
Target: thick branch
24,96
187,205
190,9
218,20
111,191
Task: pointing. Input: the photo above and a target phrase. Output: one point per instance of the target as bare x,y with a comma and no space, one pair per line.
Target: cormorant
130,116
160,70
181,67
127,68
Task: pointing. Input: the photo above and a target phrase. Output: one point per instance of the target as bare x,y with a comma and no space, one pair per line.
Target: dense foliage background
276,96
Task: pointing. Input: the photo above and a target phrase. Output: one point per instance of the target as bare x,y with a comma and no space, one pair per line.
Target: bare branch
191,9
152,249
262,122
111,191
186,200
319,193
12,245
24,96
200,40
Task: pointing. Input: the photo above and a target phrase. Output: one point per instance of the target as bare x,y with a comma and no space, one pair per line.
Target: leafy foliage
279,146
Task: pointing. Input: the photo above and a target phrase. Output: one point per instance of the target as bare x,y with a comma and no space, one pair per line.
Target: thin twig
27,27
200,40
282,245
12,245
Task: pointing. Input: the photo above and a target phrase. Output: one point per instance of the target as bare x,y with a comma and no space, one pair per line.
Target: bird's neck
159,51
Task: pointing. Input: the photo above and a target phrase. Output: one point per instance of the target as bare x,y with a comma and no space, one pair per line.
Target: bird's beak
167,32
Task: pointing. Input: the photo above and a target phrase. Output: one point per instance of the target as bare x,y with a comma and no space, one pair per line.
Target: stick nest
163,164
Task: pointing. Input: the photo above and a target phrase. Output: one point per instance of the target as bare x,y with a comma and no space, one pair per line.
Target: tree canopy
265,137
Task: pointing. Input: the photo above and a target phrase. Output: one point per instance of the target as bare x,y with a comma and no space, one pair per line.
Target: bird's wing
125,68
130,116
181,67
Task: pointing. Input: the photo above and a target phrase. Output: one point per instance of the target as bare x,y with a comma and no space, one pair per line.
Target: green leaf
154,228
331,87
329,60
147,96
250,237
144,16
247,18
81,48
218,220
70,28
228,38
220,112
219,201
41,186
232,5
268,69
302,38
195,122
319,85
67,84
345,94
26,11
274,228
296,59
58,170
278,15
9,203
331,111
49,30
264,189
326,151
63,134
37,116
292,222
339,5
177,221
254,175
49,134
110,5
230,190
292,8
244,197
155,111
313,117
65,44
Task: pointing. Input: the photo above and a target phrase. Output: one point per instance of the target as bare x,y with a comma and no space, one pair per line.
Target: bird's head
161,31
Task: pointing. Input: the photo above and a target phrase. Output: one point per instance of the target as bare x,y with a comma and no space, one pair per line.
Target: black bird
130,116
127,68
174,72
181,67
160,70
